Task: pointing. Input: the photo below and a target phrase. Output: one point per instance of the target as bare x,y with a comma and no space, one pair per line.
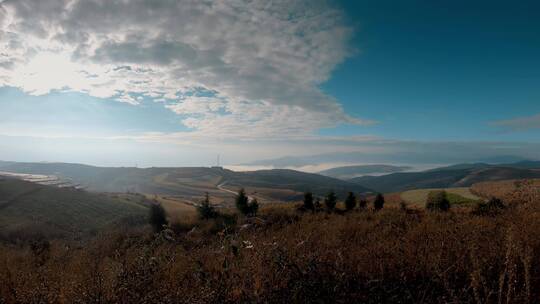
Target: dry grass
391,256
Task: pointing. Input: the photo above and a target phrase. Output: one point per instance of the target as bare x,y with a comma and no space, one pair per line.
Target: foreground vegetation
393,255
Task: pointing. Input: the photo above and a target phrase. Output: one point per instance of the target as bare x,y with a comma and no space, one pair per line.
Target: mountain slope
294,180
444,177
59,211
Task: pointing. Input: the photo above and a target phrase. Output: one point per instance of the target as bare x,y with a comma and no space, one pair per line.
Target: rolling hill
462,175
189,182
27,207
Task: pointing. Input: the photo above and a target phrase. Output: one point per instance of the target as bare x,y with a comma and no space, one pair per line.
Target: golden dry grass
283,256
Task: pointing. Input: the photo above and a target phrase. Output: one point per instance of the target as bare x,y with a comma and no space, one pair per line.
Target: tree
493,207
350,202
205,209
318,205
242,202
362,204
308,201
157,217
253,207
437,201
378,203
330,200
244,206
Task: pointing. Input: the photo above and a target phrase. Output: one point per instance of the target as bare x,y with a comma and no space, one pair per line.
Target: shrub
318,205
157,217
253,207
330,201
362,204
403,206
492,207
437,201
350,202
378,203
308,201
206,210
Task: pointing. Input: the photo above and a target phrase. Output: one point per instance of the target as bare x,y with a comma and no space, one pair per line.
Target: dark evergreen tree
253,207
330,201
437,201
157,217
362,204
242,203
350,201
308,201
318,205
205,209
378,203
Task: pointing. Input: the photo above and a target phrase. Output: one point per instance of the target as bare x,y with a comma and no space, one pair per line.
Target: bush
330,201
157,217
492,207
378,203
318,205
253,207
350,202
362,204
437,201
308,201
206,210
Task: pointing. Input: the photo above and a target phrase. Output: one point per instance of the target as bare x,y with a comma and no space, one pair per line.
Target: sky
290,83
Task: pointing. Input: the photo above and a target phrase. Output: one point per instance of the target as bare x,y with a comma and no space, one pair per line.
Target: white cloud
262,60
519,123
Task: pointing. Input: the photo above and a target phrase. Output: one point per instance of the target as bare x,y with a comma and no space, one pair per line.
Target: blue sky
175,83
428,71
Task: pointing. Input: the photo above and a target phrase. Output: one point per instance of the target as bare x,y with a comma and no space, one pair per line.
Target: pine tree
157,217
378,204
205,209
308,201
330,201
437,201
242,202
350,202
253,207
362,204
318,205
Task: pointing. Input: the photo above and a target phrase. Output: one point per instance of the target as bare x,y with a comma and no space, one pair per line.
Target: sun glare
49,71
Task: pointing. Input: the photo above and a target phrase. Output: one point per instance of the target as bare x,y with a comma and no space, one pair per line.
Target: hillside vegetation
464,175
28,208
395,255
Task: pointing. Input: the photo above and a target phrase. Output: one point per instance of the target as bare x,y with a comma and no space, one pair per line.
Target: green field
456,196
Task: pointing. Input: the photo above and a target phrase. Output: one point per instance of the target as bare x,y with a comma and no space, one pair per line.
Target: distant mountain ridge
191,181
459,175
348,172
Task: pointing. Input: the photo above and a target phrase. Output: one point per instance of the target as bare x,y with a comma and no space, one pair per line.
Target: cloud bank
225,67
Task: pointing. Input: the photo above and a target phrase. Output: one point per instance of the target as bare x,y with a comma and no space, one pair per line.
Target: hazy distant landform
348,172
